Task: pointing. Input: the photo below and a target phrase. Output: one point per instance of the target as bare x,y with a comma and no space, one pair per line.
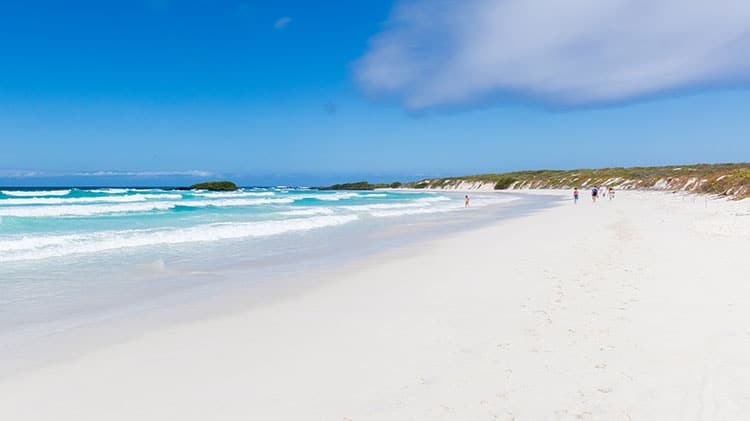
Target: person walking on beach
594,194
575,195
611,193
466,203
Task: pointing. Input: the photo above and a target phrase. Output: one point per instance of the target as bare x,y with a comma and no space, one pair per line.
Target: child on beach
594,194
466,203
575,195
611,193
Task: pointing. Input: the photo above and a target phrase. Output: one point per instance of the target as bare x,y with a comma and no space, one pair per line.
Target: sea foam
40,224
140,206
100,199
39,193
28,248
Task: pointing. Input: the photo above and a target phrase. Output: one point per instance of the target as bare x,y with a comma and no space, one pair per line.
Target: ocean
41,224
77,257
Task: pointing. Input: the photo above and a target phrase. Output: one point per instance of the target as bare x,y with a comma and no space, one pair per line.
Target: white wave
375,195
381,206
309,212
234,194
111,191
38,247
103,199
35,193
101,209
82,210
420,210
130,190
425,205
327,196
433,199
423,201
235,202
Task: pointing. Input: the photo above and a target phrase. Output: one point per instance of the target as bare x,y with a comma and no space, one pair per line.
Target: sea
72,258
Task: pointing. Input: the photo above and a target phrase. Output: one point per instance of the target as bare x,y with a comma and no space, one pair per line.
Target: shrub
504,183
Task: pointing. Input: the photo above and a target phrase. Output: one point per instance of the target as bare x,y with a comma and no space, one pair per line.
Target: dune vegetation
720,179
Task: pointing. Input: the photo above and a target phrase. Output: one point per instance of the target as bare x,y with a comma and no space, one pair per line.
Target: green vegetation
362,185
359,185
721,179
213,186
504,183
735,183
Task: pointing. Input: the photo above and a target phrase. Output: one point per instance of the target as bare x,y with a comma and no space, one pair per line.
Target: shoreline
239,284
630,309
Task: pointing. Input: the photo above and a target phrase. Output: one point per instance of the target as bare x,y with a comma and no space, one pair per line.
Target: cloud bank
447,53
6,173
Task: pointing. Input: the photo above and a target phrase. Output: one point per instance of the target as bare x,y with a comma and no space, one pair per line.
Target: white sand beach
635,309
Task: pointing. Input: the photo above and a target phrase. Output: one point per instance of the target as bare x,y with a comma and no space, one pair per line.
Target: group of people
596,192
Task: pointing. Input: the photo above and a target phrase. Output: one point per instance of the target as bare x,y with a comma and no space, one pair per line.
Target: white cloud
443,53
18,173
282,22
34,173
190,173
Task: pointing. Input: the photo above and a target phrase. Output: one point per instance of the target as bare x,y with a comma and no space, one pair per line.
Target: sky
168,92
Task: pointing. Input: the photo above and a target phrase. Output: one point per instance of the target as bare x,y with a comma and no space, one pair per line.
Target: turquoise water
43,224
77,262
76,258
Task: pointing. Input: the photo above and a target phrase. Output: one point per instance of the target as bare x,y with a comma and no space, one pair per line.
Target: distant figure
594,193
611,193
575,195
466,203
603,191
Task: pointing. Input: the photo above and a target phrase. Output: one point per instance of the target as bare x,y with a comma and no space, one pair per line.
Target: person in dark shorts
594,193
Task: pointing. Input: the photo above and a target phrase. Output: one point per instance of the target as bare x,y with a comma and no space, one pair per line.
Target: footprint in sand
503,346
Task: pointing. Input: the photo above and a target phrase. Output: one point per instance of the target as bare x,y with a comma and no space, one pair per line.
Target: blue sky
169,91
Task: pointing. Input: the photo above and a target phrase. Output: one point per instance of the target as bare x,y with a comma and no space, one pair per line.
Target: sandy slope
636,309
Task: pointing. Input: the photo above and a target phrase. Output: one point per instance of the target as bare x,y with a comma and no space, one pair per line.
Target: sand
636,309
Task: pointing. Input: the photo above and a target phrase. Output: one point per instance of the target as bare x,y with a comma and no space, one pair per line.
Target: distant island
213,186
361,185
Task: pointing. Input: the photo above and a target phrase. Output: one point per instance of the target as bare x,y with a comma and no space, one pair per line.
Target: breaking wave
37,247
